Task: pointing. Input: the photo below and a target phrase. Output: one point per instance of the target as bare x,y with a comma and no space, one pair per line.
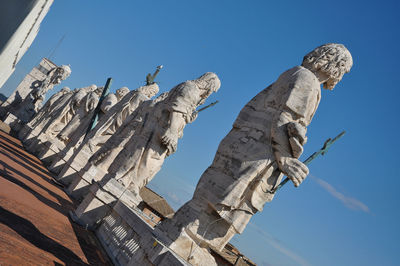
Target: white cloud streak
349,202
278,245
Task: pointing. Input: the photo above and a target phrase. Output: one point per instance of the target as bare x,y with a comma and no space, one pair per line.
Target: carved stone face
149,90
65,90
329,62
209,83
120,93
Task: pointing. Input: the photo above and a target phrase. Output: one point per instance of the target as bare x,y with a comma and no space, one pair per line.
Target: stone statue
44,112
83,114
106,154
58,118
114,119
54,77
105,128
26,101
264,144
107,107
157,137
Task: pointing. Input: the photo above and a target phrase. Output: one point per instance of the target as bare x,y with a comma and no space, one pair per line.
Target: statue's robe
144,154
235,185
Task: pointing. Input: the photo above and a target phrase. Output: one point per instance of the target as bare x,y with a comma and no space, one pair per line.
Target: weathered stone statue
44,112
157,138
106,127
79,134
54,77
22,110
58,118
82,116
147,137
264,144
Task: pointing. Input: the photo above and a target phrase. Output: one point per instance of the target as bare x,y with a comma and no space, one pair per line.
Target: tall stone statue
43,114
54,77
82,114
157,138
22,108
73,146
153,138
106,128
264,144
58,118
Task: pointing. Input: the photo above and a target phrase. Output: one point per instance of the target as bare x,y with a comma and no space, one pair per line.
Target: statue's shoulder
301,74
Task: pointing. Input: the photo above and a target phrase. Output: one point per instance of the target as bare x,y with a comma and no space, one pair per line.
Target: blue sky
346,212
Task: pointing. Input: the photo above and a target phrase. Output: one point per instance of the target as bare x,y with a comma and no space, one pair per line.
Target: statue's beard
330,83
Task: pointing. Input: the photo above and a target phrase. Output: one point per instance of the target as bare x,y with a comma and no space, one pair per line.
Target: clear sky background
347,210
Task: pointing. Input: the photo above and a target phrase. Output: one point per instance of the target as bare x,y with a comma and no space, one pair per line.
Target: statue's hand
170,140
193,117
293,169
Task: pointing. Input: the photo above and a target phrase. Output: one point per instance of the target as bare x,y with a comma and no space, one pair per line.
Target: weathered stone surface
26,86
75,104
44,113
263,145
158,133
105,128
79,134
26,101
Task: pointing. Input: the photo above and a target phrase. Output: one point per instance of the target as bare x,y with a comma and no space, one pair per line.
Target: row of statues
135,134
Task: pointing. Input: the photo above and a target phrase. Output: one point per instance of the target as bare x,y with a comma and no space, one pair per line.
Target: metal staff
150,78
328,143
95,116
208,106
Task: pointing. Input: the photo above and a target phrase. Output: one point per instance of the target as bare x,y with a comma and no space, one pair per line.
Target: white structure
19,24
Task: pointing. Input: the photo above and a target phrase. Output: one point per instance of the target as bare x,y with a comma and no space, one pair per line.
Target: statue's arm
171,135
285,155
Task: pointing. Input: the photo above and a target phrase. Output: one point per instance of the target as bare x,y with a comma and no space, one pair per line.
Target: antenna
56,47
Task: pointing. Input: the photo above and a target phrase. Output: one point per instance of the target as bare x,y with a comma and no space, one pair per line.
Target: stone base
14,122
202,223
24,132
57,165
101,199
129,240
80,185
5,128
74,163
50,151
67,175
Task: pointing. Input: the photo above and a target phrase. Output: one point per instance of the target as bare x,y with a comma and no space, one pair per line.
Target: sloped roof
155,201
232,255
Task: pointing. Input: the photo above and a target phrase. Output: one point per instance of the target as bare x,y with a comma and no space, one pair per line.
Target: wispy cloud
177,191
349,202
278,245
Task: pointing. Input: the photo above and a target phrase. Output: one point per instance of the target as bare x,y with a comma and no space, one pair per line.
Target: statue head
121,92
92,87
149,90
98,90
62,72
329,62
65,90
209,83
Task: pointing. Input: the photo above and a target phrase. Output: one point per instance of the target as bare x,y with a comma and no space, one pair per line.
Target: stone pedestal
75,163
24,132
129,240
101,199
14,122
80,184
50,151
57,165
